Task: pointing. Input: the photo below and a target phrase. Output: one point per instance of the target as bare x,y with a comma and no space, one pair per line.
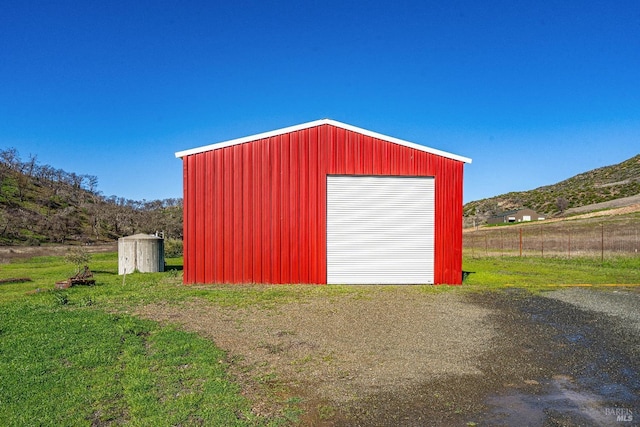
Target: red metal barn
322,202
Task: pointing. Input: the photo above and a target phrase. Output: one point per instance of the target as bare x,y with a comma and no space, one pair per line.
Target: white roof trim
315,123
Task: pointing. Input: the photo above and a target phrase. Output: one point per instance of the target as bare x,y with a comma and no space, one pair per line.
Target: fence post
542,241
601,242
486,245
520,242
473,247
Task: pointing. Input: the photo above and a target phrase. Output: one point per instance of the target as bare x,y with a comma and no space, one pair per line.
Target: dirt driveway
400,355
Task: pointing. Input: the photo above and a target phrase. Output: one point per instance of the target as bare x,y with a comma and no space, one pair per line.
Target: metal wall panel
380,229
256,212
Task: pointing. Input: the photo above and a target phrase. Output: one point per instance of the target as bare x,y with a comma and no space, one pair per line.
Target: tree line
43,204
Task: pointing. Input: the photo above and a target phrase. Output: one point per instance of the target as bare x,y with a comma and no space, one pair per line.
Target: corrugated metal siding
380,229
256,212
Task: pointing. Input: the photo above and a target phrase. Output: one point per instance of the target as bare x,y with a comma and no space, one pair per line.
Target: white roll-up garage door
380,229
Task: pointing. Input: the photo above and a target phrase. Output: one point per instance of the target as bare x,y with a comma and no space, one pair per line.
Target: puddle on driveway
561,402
594,359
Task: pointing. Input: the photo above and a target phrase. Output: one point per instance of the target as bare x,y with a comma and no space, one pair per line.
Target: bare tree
92,184
10,158
30,166
562,204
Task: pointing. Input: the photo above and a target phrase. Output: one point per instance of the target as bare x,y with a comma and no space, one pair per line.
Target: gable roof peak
316,123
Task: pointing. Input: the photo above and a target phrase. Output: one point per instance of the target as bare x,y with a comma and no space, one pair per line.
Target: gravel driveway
403,355
623,304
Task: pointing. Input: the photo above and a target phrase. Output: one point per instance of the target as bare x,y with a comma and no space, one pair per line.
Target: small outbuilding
519,215
322,203
140,252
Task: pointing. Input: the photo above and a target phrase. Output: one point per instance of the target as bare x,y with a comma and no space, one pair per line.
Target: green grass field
77,357
535,273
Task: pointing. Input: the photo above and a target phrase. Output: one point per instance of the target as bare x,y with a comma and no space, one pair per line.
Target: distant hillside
595,186
41,204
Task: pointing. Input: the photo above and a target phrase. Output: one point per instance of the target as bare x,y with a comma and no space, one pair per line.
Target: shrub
78,256
60,298
173,248
32,241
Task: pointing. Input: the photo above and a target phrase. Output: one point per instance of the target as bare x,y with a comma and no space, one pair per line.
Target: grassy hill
595,186
41,204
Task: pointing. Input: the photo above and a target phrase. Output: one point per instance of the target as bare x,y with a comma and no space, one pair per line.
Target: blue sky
534,92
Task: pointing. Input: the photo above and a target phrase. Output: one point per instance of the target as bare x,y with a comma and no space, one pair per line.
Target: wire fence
557,240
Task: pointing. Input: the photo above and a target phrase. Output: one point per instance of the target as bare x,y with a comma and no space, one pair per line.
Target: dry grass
10,253
589,235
